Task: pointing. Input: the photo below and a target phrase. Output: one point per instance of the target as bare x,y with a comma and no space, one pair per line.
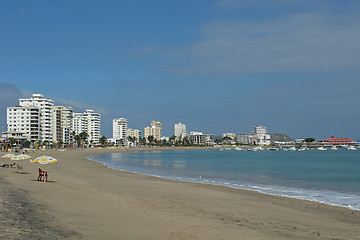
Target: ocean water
331,177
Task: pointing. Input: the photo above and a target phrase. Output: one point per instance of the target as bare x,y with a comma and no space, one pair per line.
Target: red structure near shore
337,141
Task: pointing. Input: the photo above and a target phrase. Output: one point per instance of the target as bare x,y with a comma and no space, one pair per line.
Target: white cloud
302,42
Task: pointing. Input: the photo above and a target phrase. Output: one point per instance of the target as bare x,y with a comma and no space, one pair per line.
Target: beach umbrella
20,157
9,155
44,160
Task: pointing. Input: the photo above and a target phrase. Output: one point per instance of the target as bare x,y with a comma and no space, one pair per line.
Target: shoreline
219,183
88,200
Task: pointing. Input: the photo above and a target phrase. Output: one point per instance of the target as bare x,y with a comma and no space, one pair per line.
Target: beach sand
86,200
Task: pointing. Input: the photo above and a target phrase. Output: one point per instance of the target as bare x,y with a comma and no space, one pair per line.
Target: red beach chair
41,175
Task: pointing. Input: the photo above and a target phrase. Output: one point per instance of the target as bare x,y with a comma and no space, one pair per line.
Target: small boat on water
321,148
292,149
302,149
334,148
352,148
258,148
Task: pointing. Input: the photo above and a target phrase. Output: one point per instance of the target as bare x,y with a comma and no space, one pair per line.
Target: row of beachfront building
37,119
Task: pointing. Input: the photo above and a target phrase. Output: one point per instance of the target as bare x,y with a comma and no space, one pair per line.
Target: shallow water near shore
330,177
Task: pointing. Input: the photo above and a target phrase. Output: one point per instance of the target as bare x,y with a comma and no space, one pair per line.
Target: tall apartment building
33,117
62,124
154,130
180,130
89,122
24,121
120,131
262,136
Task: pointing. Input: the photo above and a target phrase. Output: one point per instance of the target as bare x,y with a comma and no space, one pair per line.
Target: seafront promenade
86,200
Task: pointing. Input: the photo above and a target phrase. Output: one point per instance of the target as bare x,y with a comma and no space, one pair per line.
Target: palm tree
46,143
132,139
151,138
83,137
103,141
12,141
142,141
77,138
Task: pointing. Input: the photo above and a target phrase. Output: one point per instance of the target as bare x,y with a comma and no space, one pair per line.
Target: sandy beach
86,200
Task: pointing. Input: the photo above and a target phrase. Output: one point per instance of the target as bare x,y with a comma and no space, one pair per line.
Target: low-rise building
331,141
229,135
246,138
201,138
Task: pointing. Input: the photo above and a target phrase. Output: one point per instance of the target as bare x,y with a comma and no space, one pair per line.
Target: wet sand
86,200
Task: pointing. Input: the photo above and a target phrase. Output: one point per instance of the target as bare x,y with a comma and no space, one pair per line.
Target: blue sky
216,65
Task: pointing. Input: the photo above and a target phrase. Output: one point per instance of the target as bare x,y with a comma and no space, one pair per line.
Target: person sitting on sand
5,165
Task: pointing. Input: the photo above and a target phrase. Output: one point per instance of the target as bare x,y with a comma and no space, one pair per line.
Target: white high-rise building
120,131
33,117
180,130
62,123
24,121
88,122
262,136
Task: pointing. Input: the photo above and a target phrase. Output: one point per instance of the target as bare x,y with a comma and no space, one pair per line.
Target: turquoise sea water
331,177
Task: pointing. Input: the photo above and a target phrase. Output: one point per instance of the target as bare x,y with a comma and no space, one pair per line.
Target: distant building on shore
120,131
135,134
259,137
331,141
246,138
262,136
33,118
62,124
229,135
180,130
89,122
154,130
201,138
